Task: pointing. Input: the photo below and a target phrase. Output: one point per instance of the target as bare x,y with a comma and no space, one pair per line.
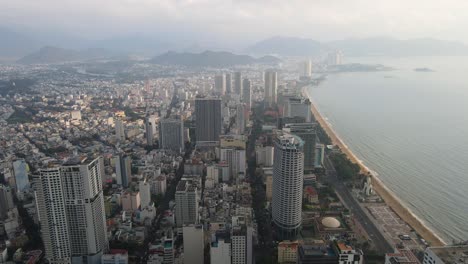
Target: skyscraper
149,131
307,132
208,119
238,84
271,87
298,107
194,244
220,84
241,118
71,211
228,83
50,200
307,70
288,176
6,201
20,168
186,199
171,135
119,130
123,169
247,94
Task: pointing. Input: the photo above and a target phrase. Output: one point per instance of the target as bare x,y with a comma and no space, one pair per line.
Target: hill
51,55
379,46
210,59
287,46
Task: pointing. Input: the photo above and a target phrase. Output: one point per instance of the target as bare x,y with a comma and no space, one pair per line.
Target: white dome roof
331,222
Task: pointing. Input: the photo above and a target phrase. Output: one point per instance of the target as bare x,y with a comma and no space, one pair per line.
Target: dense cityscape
146,163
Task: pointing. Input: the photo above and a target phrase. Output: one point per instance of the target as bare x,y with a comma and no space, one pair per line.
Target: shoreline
383,191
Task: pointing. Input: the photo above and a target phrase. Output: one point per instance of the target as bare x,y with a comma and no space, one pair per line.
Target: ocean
411,128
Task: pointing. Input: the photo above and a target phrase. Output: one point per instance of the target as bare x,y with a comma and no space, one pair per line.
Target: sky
240,21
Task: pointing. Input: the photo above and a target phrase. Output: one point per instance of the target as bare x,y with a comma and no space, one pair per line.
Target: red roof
309,190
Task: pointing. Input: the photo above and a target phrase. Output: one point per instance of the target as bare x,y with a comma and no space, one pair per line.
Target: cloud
242,20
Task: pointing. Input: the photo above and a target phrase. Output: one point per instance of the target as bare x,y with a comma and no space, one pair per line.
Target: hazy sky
242,20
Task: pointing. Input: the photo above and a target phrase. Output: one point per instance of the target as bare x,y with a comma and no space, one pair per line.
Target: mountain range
210,59
379,46
15,45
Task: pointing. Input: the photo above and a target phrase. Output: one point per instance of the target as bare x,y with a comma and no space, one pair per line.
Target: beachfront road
381,244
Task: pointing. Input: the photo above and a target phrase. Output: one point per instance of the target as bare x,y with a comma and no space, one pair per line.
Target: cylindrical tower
288,177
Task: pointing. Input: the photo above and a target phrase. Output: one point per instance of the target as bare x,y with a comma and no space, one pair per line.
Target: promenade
387,195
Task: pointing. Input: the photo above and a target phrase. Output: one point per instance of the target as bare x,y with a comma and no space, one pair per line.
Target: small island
423,70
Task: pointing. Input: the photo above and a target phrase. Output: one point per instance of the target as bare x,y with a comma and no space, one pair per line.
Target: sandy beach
389,197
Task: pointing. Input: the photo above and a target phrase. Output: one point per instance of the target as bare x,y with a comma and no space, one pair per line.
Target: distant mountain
210,59
287,46
51,55
395,47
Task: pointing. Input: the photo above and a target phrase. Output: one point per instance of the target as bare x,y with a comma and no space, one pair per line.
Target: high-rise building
208,119
307,70
119,130
235,158
145,193
298,107
6,201
20,168
194,244
186,199
220,84
228,83
149,131
50,199
238,83
241,118
220,251
247,93
123,169
307,132
319,155
271,87
70,205
288,175
171,135
241,244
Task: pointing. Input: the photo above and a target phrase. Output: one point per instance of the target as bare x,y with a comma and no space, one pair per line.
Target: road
379,241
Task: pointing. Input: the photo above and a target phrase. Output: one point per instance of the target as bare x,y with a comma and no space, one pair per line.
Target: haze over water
412,129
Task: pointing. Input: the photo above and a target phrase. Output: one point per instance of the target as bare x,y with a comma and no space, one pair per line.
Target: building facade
208,119
171,135
288,176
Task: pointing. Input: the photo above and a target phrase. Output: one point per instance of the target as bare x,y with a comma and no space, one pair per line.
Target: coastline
387,195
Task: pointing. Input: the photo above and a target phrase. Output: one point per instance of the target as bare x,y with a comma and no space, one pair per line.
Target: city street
381,244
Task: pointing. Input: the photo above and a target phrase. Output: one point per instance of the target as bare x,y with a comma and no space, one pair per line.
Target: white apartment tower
288,176
307,70
51,210
186,198
119,130
271,87
220,84
149,131
71,211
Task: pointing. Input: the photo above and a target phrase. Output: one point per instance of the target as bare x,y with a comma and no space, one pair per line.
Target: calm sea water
412,129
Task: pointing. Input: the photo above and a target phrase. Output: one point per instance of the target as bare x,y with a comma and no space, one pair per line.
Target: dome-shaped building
330,222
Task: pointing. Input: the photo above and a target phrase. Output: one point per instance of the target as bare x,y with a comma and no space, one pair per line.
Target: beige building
287,251
131,201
